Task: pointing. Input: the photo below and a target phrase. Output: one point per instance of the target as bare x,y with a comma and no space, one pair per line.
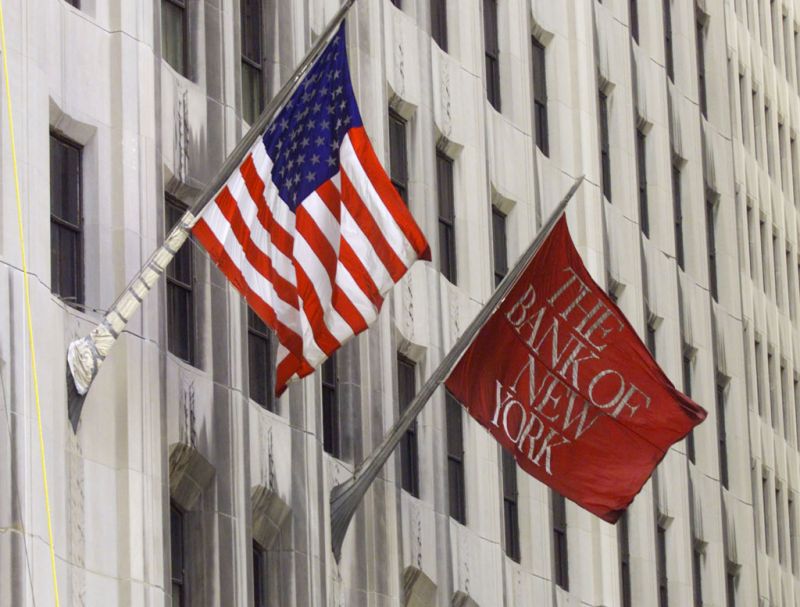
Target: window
697,573
398,3
175,35
765,508
605,151
730,586
771,383
783,158
781,524
66,220
776,262
510,509
743,110
797,56
633,17
331,437
711,243
760,378
764,256
447,236
677,213
641,170
499,245
259,576
650,337
751,238
793,167
455,459
775,34
252,53
668,59
793,537
409,455
178,552
722,439
700,31
560,556
756,127
686,372
540,98
784,379
398,154
769,141
787,49
624,546
75,3
180,291
661,564
259,361
439,23
492,50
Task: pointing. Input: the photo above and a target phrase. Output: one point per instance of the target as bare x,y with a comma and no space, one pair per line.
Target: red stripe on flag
387,192
332,198
348,310
261,262
317,241
314,313
394,265
291,340
350,260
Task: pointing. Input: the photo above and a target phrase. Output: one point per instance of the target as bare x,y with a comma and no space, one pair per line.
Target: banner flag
561,379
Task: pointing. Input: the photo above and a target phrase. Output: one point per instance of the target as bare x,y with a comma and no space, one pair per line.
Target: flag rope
26,283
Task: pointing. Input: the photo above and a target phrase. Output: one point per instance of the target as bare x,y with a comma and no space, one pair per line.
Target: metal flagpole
85,355
346,497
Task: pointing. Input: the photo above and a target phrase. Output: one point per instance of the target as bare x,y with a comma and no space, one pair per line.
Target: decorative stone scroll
189,474
418,589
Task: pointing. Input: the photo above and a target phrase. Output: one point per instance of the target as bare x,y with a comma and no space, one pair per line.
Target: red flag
562,381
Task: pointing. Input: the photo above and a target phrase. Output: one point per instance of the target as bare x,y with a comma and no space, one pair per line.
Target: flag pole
346,497
85,355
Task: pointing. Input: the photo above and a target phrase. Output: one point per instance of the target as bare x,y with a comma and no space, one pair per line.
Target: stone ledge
418,589
270,512
189,474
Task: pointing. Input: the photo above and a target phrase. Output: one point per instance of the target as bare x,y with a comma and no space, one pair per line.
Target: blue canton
303,140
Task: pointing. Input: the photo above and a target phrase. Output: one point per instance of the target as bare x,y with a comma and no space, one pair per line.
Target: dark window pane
174,34
721,432
439,23
252,72
686,368
75,3
398,3
641,169
730,587
260,361
540,97
668,59
409,458
661,566
178,552
259,576
455,459
701,65
447,237
697,579
677,213
180,295
560,557
605,149
711,243
623,542
499,245
634,18
66,220
398,154
510,509
492,52
331,438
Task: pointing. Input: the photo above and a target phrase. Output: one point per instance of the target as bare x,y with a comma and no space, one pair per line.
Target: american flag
309,228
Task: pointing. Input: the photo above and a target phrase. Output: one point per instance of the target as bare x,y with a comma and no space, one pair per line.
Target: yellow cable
26,284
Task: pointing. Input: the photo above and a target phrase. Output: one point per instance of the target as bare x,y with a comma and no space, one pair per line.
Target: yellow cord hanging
28,314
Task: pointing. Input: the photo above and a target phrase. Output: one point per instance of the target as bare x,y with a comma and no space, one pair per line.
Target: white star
315,159
310,176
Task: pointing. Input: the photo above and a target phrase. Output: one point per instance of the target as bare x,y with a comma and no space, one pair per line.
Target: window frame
623,547
539,79
252,63
641,176
491,43
454,426
677,216
661,565
183,5
177,514
175,283
398,154
605,145
59,224
409,447
720,401
259,333
560,547
331,411
700,43
711,242
499,253
508,479
445,184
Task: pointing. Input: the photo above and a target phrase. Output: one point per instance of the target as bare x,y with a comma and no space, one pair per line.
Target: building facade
187,484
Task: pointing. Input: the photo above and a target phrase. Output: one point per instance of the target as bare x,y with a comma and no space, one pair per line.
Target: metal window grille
66,220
